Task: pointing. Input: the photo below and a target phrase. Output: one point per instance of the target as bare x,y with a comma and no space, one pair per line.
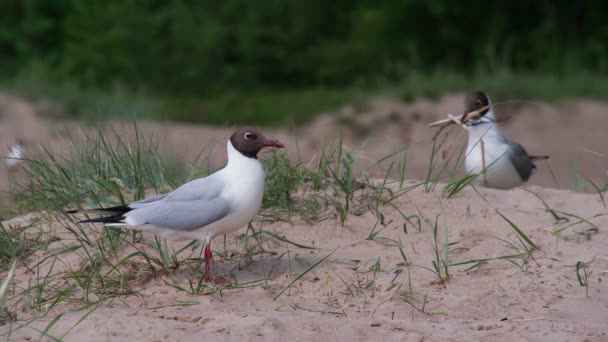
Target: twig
456,120
483,163
528,319
446,122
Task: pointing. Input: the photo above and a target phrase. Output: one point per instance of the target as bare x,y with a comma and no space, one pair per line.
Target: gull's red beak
273,143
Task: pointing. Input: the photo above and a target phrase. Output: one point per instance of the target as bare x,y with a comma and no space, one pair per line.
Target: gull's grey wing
206,188
180,215
145,201
520,159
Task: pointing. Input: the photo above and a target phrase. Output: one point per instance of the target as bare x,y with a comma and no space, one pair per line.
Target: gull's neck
486,130
236,160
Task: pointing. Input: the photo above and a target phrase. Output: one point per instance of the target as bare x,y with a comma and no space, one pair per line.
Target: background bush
200,47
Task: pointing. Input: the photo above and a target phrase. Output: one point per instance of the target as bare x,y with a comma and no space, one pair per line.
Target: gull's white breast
244,191
499,171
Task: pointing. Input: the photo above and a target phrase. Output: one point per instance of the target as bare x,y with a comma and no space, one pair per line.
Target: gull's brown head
476,105
250,141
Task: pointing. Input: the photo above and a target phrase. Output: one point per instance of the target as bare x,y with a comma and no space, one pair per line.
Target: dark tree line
188,46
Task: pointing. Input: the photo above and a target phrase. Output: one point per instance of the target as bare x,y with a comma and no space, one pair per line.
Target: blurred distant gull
16,152
501,163
201,209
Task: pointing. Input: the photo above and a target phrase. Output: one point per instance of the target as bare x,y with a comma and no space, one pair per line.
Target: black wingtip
121,209
534,158
109,215
105,219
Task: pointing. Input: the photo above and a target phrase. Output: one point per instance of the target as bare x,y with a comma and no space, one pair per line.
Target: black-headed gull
204,208
501,163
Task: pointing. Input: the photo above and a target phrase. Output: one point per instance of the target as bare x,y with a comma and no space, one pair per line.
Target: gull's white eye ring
249,136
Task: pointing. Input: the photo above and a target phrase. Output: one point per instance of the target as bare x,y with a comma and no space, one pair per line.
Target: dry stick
7,281
446,122
449,147
483,163
529,319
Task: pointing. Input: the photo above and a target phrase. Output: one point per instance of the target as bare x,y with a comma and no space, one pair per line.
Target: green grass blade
518,231
281,238
303,274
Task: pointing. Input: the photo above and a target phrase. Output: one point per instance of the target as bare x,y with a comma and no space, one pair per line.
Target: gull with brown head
204,208
501,163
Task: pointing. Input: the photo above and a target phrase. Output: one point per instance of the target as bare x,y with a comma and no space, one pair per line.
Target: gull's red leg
208,263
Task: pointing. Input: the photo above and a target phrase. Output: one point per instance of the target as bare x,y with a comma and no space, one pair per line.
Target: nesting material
446,122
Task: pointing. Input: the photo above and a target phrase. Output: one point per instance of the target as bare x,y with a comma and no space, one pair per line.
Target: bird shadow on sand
240,268
273,267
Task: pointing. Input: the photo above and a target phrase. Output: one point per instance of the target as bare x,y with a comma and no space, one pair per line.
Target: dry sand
539,300
362,291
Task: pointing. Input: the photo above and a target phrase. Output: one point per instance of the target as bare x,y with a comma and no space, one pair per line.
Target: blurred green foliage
188,48
199,46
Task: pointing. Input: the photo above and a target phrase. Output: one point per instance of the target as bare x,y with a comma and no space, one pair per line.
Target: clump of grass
103,168
581,276
16,244
283,178
5,313
312,267
373,232
524,248
335,183
525,241
441,263
453,188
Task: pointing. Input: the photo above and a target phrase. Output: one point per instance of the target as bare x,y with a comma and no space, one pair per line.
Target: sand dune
363,291
362,288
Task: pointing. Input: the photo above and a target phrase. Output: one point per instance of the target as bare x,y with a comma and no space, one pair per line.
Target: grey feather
193,205
207,188
520,159
145,201
180,215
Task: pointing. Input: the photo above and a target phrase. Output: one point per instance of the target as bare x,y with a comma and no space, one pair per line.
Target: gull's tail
109,215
